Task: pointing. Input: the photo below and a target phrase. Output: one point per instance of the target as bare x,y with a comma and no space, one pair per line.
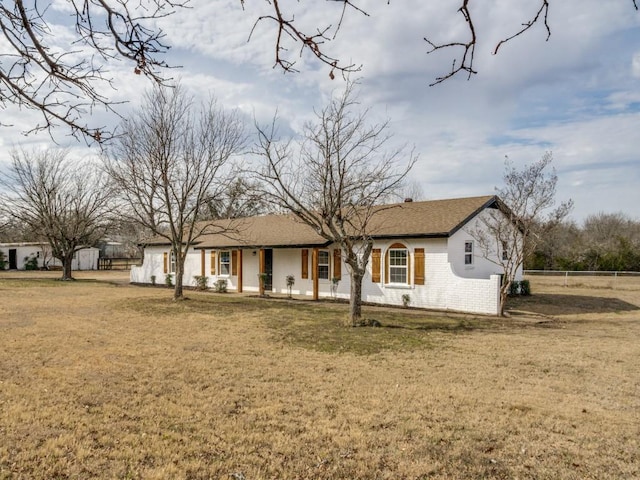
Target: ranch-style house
421,249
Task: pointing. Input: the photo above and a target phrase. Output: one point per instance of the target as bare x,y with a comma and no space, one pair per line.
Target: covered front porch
316,271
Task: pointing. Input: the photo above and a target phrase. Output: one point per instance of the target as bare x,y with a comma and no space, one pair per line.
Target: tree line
602,242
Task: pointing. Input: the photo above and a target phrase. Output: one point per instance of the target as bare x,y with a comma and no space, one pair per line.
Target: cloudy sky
577,94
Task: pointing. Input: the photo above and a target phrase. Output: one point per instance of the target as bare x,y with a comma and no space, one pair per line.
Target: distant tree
56,199
508,235
609,242
410,191
171,158
559,246
240,198
335,179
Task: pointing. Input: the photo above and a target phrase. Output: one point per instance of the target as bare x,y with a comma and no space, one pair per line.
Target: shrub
406,300
520,288
168,280
201,281
3,260
153,279
221,285
290,281
31,262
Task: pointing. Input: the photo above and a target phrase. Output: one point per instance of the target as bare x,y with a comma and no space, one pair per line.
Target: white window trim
220,263
328,265
468,253
505,251
172,262
406,283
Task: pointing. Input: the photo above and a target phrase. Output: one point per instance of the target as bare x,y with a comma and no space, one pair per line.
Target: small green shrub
221,285
406,300
291,280
201,281
31,262
168,280
520,288
153,279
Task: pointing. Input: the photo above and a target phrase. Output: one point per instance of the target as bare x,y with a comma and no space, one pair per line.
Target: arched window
397,264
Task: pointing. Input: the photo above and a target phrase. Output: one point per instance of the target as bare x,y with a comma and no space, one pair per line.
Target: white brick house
421,249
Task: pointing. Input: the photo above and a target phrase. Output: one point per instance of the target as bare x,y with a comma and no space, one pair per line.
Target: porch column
239,289
314,272
261,269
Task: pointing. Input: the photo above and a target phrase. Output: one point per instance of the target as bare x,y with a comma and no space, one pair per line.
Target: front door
268,269
13,259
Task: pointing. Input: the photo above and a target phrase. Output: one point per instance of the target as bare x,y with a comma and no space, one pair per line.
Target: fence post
566,278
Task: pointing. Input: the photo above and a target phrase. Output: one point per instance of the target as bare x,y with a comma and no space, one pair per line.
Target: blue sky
577,94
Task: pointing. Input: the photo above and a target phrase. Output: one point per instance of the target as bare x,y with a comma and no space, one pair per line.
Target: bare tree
508,235
240,198
170,159
65,82
289,33
59,200
335,179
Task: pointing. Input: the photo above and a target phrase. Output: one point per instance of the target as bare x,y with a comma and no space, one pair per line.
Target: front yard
104,380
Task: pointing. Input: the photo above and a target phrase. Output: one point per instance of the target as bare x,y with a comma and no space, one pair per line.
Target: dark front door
268,269
13,259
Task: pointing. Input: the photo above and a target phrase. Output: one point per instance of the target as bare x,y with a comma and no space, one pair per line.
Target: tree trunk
67,261
177,290
504,292
355,299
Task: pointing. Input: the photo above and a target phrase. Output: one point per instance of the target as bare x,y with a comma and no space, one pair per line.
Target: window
468,253
323,265
398,265
172,262
505,248
225,263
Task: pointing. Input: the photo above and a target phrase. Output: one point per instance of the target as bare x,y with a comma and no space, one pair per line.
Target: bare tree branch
65,83
313,42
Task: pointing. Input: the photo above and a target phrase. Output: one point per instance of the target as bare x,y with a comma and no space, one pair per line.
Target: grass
103,380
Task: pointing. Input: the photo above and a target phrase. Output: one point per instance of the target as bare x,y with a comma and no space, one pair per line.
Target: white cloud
635,65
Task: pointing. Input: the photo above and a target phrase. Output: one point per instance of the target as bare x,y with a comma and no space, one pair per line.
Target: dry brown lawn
105,380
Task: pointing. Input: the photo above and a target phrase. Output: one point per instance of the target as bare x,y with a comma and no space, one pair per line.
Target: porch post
314,272
239,289
261,266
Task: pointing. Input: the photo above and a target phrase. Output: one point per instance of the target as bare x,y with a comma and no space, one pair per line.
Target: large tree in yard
335,179
172,157
62,202
508,235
